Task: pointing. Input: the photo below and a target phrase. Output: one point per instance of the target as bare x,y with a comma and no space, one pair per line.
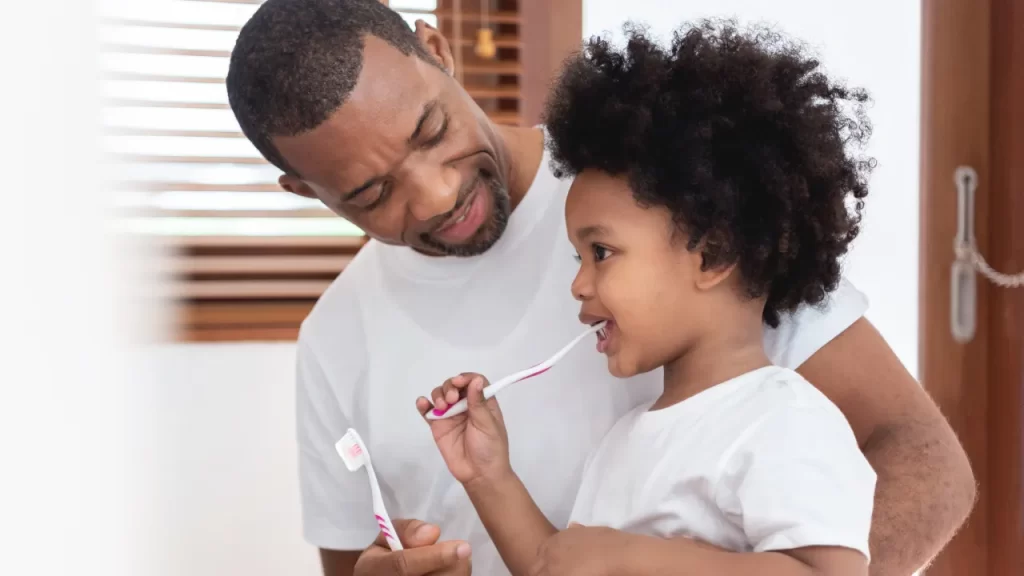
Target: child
713,193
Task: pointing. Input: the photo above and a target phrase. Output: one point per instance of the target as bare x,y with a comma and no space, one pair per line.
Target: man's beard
488,233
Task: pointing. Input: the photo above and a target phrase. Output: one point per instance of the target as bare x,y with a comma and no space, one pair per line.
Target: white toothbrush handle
462,405
381,513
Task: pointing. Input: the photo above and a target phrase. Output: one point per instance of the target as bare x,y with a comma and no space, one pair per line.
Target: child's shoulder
779,408
778,390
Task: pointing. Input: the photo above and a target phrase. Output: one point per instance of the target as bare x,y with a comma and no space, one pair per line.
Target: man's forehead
390,82
378,117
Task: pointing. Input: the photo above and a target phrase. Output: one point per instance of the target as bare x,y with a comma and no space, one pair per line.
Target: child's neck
714,359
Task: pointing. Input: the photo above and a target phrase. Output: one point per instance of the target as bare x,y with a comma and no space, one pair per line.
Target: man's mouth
459,216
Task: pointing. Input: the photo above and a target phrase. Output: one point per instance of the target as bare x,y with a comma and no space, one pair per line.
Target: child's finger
451,393
454,388
437,397
423,406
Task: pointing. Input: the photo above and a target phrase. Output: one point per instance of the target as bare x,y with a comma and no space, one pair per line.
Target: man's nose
432,192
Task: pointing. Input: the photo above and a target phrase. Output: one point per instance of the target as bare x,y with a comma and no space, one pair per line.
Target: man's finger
428,559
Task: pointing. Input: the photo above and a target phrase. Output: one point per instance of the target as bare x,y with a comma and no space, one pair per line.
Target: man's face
409,158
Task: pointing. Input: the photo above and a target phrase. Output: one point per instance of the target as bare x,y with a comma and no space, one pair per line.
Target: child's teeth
460,218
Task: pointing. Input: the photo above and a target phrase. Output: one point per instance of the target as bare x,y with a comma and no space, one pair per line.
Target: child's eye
600,252
576,256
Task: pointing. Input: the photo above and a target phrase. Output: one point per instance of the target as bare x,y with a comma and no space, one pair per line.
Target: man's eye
438,136
383,192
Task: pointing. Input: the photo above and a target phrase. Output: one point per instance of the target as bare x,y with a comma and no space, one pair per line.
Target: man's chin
485,237
478,244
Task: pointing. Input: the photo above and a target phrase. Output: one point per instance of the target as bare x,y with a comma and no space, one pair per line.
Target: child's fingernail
462,551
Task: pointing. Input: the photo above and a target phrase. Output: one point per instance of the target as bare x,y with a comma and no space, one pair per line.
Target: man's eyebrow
428,109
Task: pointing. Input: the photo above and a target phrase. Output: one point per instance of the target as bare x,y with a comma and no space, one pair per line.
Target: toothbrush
353,451
489,392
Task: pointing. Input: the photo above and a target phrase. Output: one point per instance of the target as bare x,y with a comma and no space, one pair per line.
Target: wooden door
973,114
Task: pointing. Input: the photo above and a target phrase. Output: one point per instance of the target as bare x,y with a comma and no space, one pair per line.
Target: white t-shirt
762,462
396,324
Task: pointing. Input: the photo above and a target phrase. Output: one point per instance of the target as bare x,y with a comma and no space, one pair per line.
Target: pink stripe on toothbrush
438,412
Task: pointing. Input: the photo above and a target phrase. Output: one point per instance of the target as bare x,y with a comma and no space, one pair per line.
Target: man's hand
583,551
474,444
423,555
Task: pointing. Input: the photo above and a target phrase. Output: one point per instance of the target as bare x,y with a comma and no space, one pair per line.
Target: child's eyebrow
588,231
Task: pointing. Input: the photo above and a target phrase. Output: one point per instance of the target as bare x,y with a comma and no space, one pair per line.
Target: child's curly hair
739,134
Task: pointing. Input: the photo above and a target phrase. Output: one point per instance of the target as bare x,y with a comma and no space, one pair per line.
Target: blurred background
168,274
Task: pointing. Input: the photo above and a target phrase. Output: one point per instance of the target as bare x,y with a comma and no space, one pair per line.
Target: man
469,268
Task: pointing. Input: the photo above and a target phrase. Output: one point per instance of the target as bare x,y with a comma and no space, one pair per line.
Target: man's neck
524,148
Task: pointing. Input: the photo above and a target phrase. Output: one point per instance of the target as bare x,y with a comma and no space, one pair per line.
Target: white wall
220,461
875,44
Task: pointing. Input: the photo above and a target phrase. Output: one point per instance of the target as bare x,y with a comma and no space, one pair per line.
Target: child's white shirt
759,463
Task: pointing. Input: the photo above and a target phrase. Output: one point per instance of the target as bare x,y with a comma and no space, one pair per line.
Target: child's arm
512,518
687,557
474,445
599,551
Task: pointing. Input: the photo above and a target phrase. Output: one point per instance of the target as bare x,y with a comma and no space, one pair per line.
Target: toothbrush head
351,450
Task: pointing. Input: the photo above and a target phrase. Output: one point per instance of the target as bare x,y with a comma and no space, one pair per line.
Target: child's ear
711,276
711,268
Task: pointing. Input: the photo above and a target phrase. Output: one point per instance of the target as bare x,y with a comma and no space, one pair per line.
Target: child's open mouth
603,336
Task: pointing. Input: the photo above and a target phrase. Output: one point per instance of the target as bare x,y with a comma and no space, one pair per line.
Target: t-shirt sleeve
337,511
799,479
808,329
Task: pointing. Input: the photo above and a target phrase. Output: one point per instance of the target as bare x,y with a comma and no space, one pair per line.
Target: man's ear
296,186
437,45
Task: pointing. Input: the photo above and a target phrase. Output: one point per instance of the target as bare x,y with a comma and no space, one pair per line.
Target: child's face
634,272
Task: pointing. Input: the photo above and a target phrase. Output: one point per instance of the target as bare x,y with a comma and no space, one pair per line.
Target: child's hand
474,444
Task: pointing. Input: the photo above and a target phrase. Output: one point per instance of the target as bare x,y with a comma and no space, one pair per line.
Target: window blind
249,259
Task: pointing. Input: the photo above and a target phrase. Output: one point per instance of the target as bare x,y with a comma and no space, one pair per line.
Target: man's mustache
459,205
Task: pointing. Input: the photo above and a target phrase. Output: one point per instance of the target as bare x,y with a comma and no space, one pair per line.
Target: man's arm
339,562
925,486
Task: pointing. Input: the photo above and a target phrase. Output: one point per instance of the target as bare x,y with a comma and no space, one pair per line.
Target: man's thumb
415,533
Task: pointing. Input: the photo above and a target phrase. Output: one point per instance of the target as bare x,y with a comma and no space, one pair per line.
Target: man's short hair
296,62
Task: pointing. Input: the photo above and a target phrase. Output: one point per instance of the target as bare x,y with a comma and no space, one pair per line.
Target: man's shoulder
338,310
805,331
